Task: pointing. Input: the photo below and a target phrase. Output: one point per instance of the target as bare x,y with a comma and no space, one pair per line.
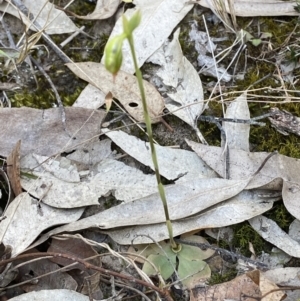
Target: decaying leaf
250,8
244,164
42,131
183,200
180,75
60,167
173,163
92,152
52,20
237,134
124,88
13,169
125,182
103,10
285,122
50,295
272,233
280,172
26,219
252,285
204,45
285,277
90,98
241,207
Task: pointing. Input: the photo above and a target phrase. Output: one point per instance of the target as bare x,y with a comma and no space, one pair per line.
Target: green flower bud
113,54
130,25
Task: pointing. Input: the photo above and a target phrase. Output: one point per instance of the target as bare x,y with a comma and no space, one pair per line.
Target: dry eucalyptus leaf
104,9
271,232
110,176
159,18
183,201
124,88
294,230
284,276
60,167
92,152
252,285
237,134
232,290
244,8
244,164
173,163
180,75
50,295
13,169
42,131
245,205
52,20
90,98
291,194
267,286
26,219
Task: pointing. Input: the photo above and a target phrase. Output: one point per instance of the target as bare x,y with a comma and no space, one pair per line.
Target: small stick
71,37
88,265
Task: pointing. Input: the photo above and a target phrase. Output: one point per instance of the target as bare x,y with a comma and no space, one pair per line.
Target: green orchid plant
165,257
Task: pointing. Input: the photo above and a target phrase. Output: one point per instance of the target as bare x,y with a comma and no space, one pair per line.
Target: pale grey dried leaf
208,68
237,134
52,20
124,87
271,232
284,276
274,259
173,163
244,164
58,193
277,170
60,167
177,72
249,8
125,182
42,131
183,201
291,192
104,9
90,98
50,295
159,18
294,230
245,205
26,219
92,153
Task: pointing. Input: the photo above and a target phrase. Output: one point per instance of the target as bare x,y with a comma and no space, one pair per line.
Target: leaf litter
124,88
54,21
180,76
207,211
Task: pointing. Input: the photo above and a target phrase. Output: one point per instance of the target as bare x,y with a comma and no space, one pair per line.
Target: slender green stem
152,146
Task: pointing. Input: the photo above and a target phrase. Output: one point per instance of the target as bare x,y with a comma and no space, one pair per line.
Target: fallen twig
163,292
